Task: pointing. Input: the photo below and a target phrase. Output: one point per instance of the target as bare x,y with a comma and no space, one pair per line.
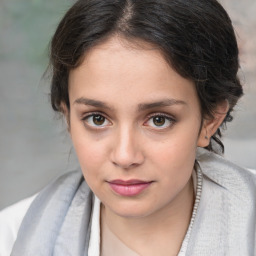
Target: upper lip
128,182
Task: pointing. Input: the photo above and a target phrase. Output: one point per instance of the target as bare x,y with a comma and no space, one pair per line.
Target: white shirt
10,220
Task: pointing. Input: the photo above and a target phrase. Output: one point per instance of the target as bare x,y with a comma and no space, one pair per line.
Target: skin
133,117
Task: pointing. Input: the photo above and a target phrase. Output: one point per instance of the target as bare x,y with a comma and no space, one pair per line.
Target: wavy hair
195,36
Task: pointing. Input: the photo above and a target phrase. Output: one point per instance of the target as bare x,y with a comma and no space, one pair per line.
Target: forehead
117,50
134,71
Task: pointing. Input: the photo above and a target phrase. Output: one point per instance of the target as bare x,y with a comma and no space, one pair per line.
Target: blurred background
34,145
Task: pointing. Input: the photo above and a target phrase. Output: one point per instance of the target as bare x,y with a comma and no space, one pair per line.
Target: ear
65,112
210,125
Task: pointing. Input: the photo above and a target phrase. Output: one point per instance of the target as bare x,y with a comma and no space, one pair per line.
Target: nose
126,150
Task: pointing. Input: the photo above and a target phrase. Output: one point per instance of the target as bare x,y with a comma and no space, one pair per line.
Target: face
135,124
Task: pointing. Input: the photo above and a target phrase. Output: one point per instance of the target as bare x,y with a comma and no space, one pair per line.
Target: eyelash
166,117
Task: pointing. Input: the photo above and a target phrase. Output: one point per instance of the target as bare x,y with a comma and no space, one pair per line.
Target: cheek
175,156
177,149
91,154
176,162
88,153
92,160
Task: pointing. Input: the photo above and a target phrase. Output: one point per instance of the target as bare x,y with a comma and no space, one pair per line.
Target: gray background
34,145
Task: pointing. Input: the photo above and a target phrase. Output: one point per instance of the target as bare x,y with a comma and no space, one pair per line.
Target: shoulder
12,217
227,210
10,221
237,181
214,164
52,218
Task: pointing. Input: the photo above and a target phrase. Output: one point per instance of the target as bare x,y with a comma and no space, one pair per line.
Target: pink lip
129,187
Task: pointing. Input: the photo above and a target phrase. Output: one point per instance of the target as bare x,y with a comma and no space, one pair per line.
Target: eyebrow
162,103
91,102
141,107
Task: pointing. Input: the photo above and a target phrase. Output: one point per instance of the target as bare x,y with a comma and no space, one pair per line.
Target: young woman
143,85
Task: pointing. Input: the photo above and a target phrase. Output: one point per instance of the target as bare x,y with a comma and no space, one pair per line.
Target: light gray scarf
58,221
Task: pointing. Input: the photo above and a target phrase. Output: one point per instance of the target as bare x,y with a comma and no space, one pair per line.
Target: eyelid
91,113
167,116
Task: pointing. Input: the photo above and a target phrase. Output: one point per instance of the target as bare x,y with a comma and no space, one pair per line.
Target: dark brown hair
195,36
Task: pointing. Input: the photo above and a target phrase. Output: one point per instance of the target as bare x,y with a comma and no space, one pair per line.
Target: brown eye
159,120
98,120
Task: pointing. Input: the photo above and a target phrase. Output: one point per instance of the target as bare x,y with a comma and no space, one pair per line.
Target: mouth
129,187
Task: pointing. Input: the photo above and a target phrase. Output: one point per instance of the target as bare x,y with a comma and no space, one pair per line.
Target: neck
151,235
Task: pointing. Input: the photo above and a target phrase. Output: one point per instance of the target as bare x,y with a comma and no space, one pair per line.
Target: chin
132,211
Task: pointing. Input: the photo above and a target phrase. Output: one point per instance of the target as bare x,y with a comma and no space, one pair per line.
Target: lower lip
129,190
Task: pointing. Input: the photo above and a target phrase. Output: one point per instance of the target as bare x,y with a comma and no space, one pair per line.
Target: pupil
159,120
99,120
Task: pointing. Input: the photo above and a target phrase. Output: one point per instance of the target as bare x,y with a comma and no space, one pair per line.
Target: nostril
126,166
127,160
